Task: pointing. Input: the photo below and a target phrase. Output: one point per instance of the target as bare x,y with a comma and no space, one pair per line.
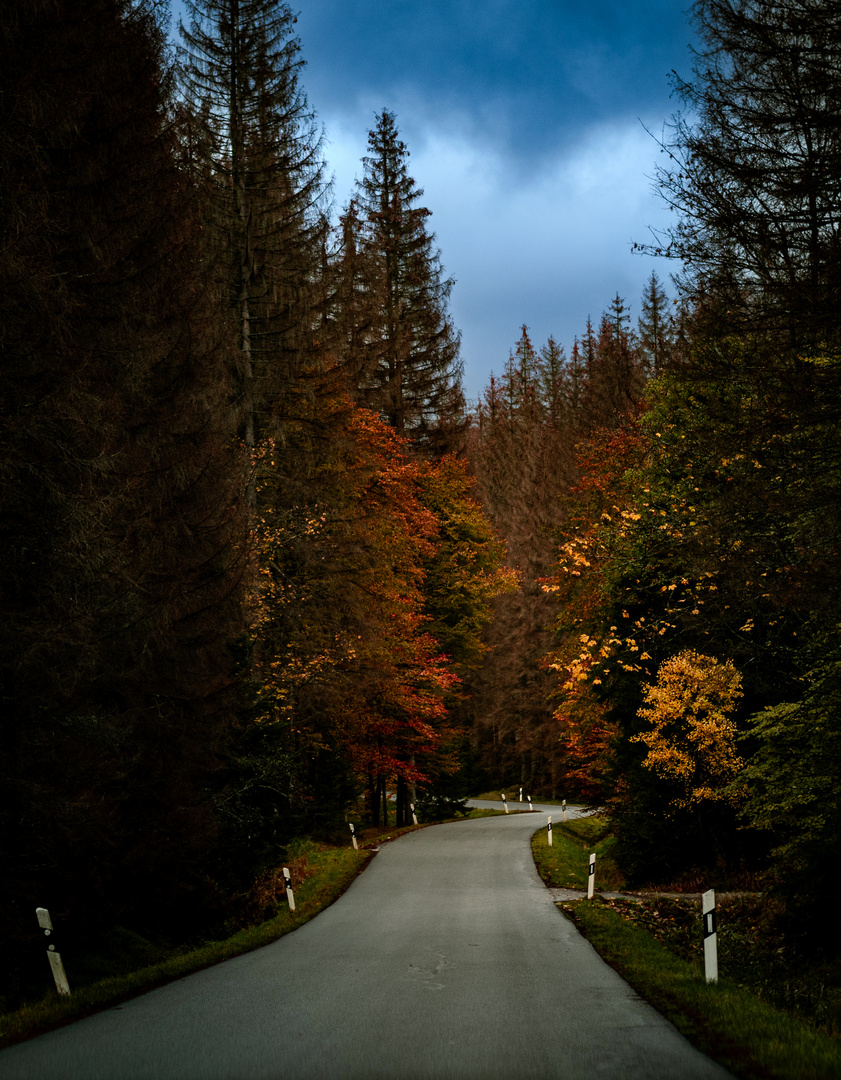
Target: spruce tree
412,376
615,378
655,328
121,539
754,168
553,383
259,148
353,306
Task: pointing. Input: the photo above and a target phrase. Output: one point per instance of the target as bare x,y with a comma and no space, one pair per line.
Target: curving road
445,959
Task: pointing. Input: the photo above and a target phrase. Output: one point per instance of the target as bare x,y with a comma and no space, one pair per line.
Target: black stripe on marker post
710,936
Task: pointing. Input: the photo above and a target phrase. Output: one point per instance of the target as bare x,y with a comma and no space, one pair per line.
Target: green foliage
794,779
706,539
465,572
441,801
566,863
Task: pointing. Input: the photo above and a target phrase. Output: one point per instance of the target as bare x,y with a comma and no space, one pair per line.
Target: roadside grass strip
565,864
749,1037
331,872
655,944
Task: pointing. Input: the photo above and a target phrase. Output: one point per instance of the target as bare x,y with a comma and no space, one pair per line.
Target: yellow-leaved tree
692,739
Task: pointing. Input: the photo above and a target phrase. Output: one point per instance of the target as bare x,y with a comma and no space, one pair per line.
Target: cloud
521,120
545,247
529,75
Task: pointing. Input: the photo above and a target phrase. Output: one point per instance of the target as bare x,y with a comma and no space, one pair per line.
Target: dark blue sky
524,121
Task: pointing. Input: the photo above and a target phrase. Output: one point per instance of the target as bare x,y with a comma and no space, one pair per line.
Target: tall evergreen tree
614,379
554,383
756,177
353,306
655,328
413,372
121,544
259,148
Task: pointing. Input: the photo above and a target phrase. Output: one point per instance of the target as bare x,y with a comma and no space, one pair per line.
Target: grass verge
514,797
655,944
331,871
566,863
748,1036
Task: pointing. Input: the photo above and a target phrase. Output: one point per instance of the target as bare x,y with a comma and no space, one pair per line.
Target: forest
263,563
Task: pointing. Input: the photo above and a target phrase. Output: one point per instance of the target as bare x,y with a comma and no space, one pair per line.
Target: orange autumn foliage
692,738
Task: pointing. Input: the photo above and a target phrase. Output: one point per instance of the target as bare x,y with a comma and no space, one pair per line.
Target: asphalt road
445,959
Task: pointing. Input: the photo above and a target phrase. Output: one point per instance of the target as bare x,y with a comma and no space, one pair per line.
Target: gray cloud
523,122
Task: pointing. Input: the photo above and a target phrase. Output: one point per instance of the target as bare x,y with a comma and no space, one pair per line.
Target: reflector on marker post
505,802
353,836
289,895
549,833
710,936
56,963
591,879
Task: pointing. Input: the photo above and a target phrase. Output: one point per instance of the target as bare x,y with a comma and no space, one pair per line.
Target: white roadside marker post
549,833
353,836
505,802
710,936
46,924
289,895
414,815
531,808
564,810
521,794
591,879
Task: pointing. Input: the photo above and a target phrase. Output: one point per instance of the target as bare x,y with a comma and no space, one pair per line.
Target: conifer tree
655,328
121,535
554,383
576,381
615,378
259,148
754,168
353,306
412,375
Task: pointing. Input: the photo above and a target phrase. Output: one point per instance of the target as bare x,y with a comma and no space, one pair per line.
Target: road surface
445,960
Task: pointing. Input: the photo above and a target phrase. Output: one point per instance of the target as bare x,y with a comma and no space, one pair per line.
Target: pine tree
554,383
412,373
260,149
754,167
121,534
655,328
614,376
